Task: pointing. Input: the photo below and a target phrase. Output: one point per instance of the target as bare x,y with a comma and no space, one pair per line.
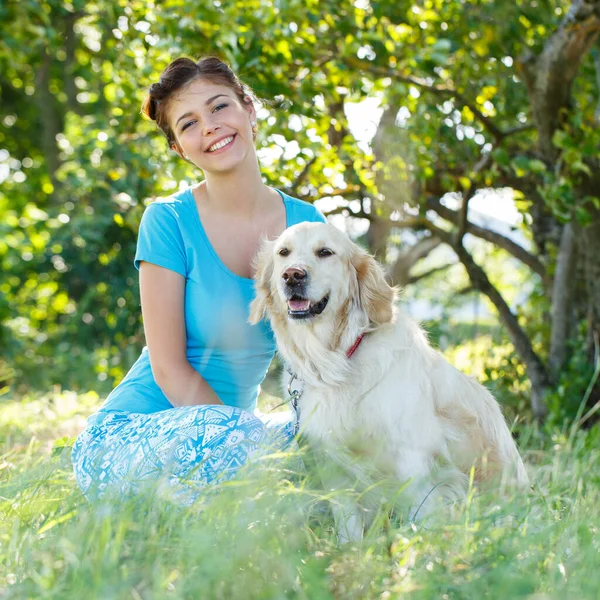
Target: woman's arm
162,294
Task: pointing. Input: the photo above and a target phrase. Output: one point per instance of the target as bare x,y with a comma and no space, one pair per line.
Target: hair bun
149,107
156,89
155,94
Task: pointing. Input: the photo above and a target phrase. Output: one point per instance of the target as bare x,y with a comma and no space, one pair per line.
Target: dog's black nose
293,276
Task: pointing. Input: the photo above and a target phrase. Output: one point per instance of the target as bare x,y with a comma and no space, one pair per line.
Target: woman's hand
162,294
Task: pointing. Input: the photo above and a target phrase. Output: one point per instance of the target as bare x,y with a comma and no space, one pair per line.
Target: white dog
376,397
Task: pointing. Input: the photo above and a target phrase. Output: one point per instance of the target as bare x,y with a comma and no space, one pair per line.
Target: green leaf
501,156
537,166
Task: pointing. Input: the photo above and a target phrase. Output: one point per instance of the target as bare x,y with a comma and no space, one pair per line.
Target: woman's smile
222,145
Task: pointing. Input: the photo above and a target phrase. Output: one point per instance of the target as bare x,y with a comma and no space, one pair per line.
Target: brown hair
181,72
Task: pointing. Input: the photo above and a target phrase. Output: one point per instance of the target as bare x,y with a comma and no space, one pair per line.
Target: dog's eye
283,252
323,252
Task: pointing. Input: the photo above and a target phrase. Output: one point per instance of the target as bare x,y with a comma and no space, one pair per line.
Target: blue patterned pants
183,449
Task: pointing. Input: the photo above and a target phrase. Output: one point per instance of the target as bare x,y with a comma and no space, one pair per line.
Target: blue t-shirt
231,355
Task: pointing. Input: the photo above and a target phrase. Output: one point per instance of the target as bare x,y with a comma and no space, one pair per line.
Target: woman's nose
210,127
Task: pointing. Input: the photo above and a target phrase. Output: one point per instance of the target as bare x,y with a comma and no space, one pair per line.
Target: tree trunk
377,237
549,75
50,122
588,245
561,300
70,62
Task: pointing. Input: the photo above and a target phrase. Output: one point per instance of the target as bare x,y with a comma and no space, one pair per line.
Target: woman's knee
85,458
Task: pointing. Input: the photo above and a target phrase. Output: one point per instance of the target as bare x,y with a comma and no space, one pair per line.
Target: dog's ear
263,270
376,296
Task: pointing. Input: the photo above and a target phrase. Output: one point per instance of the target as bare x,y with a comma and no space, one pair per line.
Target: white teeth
221,144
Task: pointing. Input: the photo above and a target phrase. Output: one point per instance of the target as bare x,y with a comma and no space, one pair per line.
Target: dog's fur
395,408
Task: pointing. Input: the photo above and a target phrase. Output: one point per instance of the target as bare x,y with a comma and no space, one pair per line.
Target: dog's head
312,271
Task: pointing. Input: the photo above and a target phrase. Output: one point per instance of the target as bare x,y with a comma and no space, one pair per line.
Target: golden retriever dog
376,398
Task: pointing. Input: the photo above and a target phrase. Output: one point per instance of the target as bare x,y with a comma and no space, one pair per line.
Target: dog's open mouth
302,308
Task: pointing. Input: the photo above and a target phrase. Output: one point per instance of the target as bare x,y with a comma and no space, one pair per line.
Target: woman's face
212,128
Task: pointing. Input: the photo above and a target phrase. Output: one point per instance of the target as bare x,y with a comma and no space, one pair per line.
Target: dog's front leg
427,489
338,483
348,519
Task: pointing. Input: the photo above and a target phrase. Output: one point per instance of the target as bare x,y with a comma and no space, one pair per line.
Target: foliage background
447,89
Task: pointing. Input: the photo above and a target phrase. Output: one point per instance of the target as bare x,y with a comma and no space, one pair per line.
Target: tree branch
540,380
303,174
336,110
429,273
400,270
344,193
519,129
357,214
498,239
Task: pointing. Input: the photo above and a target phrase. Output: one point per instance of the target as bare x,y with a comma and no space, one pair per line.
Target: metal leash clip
295,395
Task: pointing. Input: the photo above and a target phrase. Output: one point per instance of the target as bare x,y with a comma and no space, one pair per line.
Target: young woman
184,412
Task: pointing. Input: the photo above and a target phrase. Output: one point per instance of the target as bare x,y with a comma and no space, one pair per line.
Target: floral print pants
184,449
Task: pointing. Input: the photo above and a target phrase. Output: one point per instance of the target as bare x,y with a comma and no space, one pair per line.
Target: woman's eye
219,107
324,252
188,124
283,252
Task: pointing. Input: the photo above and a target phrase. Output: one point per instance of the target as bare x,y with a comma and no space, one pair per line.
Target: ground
268,534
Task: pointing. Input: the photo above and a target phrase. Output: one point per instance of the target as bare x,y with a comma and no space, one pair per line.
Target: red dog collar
355,345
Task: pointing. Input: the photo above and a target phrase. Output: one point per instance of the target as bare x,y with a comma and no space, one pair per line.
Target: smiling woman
208,121
185,410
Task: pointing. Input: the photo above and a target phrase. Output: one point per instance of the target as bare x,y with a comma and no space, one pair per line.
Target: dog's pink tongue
299,304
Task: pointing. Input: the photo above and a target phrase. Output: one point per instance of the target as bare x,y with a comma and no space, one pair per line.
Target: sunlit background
409,124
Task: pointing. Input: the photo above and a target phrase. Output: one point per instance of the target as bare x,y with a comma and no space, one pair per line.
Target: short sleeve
319,216
159,239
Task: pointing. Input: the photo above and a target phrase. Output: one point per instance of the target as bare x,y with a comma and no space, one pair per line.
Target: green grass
268,535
